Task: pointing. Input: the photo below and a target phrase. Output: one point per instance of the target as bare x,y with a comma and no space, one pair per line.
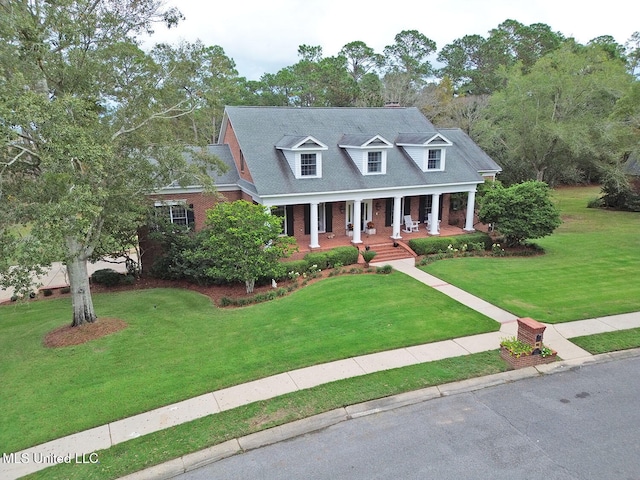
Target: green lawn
609,341
178,345
591,267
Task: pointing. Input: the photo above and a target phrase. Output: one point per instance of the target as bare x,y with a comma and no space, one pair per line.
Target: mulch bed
67,335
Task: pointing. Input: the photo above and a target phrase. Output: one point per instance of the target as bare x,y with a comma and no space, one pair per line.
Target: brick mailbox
530,332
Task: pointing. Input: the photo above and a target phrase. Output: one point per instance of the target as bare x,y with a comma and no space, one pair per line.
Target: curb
192,461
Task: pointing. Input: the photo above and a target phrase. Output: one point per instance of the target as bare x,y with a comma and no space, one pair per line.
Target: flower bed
519,354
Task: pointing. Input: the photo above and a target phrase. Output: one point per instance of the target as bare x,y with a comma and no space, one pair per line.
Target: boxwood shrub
110,278
430,245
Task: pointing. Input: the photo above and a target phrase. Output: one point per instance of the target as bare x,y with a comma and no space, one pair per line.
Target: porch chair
410,225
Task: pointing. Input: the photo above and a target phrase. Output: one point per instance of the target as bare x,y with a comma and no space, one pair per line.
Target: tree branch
165,115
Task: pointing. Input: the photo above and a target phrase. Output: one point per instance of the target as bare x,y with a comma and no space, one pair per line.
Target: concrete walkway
556,337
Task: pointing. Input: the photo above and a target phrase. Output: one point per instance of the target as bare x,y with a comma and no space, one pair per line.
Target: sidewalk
556,337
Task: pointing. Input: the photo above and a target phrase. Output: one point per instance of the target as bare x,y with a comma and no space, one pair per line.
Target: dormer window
427,150
434,159
304,155
369,153
308,165
374,163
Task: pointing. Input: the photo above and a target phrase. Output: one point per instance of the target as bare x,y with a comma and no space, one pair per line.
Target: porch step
386,252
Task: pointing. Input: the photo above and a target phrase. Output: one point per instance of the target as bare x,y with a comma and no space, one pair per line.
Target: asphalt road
580,424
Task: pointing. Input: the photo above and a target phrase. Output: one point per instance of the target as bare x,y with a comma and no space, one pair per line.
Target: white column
397,221
471,200
313,218
357,221
435,214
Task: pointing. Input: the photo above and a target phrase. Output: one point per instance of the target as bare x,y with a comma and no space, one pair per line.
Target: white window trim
443,154
298,172
174,203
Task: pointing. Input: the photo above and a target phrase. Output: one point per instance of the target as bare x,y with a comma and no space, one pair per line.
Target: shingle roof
632,167
260,129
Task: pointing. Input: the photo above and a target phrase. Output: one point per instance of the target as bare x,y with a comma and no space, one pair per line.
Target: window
175,213
434,160
374,162
308,165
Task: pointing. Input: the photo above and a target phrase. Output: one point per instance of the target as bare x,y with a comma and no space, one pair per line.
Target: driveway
57,275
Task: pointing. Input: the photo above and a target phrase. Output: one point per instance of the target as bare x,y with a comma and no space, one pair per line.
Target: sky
263,36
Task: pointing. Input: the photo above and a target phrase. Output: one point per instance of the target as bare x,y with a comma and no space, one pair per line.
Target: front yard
178,345
591,267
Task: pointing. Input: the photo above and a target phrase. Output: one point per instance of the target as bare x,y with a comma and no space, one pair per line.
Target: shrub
430,245
47,292
368,255
341,256
385,269
65,290
329,259
110,278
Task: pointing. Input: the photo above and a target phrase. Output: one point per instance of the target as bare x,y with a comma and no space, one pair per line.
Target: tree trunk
249,284
83,311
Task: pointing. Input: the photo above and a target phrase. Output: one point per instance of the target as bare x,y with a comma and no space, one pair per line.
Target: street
582,424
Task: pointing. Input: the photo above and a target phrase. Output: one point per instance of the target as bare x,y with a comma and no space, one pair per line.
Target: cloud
263,37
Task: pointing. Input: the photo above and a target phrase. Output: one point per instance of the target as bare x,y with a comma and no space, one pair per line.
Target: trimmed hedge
429,245
322,260
331,258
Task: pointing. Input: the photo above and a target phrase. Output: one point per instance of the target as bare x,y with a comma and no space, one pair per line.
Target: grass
609,341
591,267
174,442
178,345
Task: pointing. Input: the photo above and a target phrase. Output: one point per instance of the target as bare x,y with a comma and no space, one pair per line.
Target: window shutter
407,206
328,216
307,219
388,212
423,209
289,215
191,217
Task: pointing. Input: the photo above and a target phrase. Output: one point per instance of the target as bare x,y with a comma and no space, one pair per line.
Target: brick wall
524,361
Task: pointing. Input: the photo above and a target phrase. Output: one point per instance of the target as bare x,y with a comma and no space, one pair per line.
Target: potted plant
371,228
350,229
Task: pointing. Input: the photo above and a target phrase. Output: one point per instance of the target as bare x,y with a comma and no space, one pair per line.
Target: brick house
342,173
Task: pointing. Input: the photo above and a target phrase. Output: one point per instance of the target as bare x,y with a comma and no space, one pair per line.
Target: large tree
473,62
553,123
85,132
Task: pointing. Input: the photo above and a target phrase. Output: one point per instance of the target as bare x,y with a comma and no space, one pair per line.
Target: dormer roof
300,142
364,141
426,139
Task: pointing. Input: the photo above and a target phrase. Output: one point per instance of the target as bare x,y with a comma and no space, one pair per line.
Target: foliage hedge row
429,245
347,255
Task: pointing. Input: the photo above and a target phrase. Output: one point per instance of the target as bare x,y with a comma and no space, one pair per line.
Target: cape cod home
342,174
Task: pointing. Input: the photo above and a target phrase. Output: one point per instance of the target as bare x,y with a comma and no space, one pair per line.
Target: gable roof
632,167
260,130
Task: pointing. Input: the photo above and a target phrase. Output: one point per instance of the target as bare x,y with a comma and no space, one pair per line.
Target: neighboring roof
228,178
260,129
223,152
632,167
